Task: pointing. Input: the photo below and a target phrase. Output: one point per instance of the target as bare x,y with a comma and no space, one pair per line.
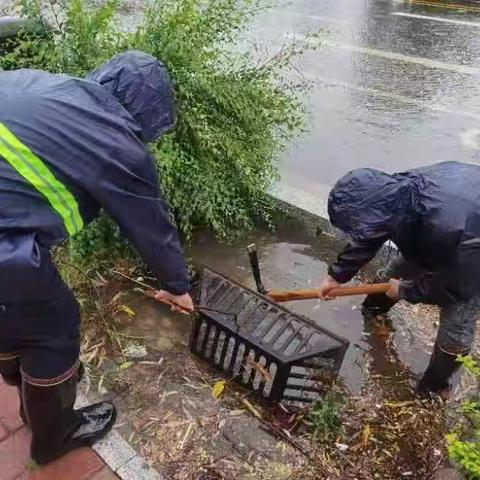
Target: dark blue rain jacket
432,214
89,134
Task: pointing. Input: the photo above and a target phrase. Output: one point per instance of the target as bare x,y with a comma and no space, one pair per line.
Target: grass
325,418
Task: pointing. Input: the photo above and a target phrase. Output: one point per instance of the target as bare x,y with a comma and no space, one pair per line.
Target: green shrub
236,113
466,452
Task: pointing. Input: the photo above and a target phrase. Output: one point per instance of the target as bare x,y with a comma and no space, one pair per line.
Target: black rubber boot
438,373
377,304
10,372
56,427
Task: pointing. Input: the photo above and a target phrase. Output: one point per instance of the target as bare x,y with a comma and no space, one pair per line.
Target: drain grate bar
291,338
262,345
279,333
224,351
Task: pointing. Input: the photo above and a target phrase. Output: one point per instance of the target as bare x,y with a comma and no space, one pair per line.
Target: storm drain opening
262,345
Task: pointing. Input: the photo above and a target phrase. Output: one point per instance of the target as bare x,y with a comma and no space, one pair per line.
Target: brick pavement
15,462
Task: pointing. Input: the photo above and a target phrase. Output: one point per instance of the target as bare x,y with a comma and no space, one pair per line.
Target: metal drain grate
277,354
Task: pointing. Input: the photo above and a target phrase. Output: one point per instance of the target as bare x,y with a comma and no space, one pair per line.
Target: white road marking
394,96
426,62
437,19
443,4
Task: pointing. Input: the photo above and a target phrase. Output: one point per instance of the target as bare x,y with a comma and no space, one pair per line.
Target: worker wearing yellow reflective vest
68,148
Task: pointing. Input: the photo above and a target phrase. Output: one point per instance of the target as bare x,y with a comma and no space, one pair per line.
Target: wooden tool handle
289,295
362,289
151,294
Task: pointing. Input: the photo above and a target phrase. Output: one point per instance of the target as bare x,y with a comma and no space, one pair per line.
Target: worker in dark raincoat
68,148
432,214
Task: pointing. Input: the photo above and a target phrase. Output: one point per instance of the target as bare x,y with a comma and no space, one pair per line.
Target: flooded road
396,85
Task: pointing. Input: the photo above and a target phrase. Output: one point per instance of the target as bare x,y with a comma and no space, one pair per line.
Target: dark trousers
39,316
457,321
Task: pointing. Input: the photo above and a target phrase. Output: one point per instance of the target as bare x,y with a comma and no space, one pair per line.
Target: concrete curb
309,209
313,213
301,200
120,456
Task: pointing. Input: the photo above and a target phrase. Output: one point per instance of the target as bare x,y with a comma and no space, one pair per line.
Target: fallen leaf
139,423
263,371
218,388
136,351
125,365
117,297
127,310
100,388
399,404
251,408
367,431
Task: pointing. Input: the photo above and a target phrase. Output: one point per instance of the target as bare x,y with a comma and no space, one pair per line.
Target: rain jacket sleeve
124,182
133,200
456,282
430,288
354,256
127,186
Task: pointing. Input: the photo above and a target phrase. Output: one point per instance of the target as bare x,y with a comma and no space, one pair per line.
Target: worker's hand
394,290
327,284
178,303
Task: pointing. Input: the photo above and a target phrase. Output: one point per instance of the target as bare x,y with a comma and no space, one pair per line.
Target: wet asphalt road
396,85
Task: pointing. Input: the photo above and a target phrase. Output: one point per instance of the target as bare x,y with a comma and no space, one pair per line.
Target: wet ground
395,86
165,394
292,259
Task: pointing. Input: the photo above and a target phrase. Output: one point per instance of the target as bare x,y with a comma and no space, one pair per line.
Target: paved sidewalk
15,462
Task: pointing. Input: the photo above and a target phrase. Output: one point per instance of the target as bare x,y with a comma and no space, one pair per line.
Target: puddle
155,325
293,259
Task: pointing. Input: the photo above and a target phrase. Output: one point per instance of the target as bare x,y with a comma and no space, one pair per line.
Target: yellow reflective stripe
34,170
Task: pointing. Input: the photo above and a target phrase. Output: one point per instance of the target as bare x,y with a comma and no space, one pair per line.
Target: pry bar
253,256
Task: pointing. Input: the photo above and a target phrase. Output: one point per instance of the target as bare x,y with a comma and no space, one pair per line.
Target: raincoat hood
367,203
142,85
432,215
